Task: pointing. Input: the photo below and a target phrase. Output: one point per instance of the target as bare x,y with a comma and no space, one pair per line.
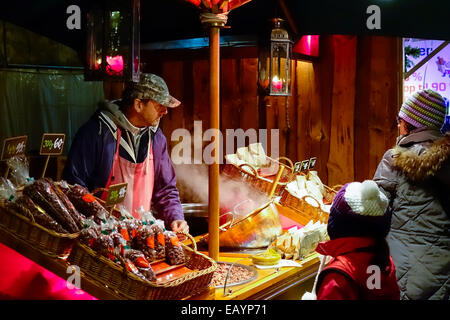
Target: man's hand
179,225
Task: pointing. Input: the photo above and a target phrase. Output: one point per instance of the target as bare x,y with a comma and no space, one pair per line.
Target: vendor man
121,142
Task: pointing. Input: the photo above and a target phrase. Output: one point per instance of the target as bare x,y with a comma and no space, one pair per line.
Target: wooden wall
342,109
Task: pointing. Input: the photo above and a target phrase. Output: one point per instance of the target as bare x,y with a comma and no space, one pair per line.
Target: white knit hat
366,199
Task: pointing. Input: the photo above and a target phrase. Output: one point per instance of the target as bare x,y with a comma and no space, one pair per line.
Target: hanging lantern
113,40
274,63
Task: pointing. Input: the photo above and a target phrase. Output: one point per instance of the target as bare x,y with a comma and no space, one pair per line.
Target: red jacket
350,276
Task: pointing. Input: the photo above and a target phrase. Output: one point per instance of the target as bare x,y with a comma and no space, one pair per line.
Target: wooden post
213,173
45,166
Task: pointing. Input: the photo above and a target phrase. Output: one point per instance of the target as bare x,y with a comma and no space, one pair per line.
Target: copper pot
256,229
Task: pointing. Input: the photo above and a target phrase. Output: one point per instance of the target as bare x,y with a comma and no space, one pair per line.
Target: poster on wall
434,74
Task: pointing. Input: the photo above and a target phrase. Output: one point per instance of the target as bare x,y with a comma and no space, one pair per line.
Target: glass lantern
113,40
274,63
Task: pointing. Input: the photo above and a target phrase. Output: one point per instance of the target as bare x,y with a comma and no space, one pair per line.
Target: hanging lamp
274,63
113,40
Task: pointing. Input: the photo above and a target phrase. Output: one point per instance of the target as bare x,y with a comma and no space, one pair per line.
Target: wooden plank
201,92
323,95
248,109
280,105
230,96
292,142
376,98
271,115
341,162
172,72
304,91
363,106
382,121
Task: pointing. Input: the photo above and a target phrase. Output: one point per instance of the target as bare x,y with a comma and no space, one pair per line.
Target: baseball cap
151,86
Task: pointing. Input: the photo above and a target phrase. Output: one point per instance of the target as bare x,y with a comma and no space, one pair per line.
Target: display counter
269,283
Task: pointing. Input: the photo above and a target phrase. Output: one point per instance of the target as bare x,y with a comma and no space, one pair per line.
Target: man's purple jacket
91,156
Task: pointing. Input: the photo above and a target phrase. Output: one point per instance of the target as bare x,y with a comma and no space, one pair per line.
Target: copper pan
256,229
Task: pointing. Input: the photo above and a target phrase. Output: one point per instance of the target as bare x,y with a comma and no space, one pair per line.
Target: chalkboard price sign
116,194
312,163
52,144
305,165
14,146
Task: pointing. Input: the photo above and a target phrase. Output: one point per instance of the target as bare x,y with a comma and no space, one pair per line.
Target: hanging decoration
274,63
218,6
113,40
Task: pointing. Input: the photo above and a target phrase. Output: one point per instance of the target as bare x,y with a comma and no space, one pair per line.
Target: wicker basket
254,179
48,242
307,211
118,278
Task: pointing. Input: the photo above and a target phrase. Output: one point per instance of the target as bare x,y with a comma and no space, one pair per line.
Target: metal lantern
274,63
113,40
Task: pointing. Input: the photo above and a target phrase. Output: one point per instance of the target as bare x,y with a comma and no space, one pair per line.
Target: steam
192,181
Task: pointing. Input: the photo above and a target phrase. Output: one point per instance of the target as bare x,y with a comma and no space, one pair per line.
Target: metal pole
213,194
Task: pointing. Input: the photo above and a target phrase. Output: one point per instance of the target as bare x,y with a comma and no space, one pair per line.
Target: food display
77,216
253,155
251,166
298,243
26,206
310,188
236,273
66,209
160,242
43,194
145,241
86,203
253,160
174,251
139,265
269,257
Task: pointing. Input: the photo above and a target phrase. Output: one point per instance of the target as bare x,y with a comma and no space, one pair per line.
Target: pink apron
139,176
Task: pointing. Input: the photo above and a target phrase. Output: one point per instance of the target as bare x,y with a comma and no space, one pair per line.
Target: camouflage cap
151,86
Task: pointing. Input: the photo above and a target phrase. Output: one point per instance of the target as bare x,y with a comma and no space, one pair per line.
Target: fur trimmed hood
418,162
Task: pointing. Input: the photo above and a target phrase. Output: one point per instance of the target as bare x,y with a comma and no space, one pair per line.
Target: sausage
42,193
24,204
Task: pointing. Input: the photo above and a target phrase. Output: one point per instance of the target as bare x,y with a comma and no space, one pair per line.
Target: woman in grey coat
415,176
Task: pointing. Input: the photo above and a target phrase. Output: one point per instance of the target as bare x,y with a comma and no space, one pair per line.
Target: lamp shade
113,40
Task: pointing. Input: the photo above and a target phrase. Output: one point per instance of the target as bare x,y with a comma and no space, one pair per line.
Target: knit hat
151,86
425,108
359,210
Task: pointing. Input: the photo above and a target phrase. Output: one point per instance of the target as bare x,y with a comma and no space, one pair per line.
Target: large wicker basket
304,209
48,242
252,177
116,277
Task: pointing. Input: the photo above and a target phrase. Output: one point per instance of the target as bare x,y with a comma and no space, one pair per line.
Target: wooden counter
269,283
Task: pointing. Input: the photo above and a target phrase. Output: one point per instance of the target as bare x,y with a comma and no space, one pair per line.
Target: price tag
312,163
52,143
116,194
297,167
305,165
13,147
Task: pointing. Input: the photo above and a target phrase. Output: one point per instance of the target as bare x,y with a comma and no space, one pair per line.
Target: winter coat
350,274
92,151
415,176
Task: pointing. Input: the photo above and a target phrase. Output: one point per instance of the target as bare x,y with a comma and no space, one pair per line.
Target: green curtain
33,102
